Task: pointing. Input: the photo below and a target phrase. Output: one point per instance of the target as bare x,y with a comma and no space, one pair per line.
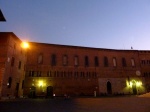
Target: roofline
38,43
11,33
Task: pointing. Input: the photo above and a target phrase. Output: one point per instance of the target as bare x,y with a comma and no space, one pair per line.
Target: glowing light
25,45
131,83
40,83
138,84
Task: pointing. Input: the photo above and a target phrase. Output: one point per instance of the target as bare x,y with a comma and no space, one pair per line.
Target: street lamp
25,45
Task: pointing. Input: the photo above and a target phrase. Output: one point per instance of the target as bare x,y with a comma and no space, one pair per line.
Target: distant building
71,70
2,18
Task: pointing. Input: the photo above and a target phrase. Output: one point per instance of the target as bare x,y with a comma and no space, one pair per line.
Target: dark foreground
117,104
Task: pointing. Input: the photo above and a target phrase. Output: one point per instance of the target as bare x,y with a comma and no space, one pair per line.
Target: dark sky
114,24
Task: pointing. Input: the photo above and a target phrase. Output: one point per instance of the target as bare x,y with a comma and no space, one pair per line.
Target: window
76,61
40,58
19,66
124,62
148,62
12,61
132,62
96,61
65,60
31,73
114,62
86,61
53,60
22,84
9,82
39,73
143,62
49,74
105,61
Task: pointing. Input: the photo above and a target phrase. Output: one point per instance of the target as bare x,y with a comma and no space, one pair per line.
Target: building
73,70
12,61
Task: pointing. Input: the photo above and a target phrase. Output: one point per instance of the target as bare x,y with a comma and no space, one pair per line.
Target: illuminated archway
134,87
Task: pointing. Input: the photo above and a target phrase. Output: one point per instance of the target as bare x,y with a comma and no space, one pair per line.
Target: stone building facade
12,61
78,70
61,69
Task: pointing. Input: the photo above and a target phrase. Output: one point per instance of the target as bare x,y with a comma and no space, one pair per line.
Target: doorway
32,93
50,91
109,88
134,87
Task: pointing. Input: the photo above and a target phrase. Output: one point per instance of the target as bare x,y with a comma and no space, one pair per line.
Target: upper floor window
114,62
76,61
132,62
86,61
12,61
143,62
105,61
65,60
53,60
40,58
22,84
124,64
96,61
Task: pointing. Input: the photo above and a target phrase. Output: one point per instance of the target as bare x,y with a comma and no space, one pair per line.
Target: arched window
105,61
114,62
53,60
124,64
86,61
132,62
96,61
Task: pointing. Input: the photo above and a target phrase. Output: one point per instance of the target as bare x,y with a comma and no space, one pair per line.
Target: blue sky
112,24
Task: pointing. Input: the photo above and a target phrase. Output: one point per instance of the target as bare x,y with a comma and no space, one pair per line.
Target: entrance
134,87
32,92
50,91
109,88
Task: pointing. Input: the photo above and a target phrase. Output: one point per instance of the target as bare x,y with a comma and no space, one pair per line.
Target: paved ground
112,104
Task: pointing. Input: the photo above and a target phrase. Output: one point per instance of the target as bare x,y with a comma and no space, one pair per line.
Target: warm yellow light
25,45
131,83
40,83
138,84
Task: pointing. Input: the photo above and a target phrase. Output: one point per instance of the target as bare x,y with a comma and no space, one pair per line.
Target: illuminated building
12,61
73,70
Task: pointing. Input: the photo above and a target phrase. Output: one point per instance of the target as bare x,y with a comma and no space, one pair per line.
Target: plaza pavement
108,104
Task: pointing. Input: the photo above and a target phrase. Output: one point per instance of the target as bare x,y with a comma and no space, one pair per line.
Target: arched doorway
109,88
134,87
50,91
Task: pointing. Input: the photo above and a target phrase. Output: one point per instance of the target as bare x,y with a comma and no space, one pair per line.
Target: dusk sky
112,24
